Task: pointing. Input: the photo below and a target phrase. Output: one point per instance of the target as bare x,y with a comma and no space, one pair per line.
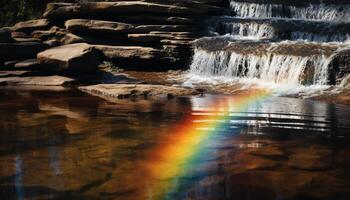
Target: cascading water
277,22
282,69
313,12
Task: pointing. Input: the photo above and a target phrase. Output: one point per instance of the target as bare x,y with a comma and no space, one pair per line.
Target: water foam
280,69
311,12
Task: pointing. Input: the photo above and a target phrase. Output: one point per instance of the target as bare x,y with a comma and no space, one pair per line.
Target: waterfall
281,69
248,30
256,10
312,12
290,64
298,35
321,12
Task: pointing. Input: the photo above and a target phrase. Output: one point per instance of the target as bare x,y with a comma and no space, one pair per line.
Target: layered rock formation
147,35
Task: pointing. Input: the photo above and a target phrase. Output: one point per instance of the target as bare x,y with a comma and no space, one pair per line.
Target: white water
255,31
256,10
283,74
297,35
276,69
249,30
312,12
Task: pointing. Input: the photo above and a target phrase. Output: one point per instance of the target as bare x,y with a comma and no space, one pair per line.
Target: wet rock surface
75,59
124,91
36,80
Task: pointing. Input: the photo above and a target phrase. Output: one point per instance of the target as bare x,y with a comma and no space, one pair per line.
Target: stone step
279,27
137,57
156,37
118,29
73,59
296,48
127,7
130,52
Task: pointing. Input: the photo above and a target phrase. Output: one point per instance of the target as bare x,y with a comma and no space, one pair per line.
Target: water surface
69,145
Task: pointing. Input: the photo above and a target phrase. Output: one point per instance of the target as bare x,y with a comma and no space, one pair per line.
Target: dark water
68,145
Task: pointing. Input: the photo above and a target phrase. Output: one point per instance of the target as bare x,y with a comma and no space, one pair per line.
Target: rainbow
186,145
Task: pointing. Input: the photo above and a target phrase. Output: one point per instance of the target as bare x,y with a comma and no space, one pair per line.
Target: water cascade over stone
279,42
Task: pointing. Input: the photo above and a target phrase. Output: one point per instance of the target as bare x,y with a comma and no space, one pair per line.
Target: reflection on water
68,145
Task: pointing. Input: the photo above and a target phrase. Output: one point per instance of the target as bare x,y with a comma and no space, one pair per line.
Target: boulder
5,35
121,91
84,25
73,59
31,25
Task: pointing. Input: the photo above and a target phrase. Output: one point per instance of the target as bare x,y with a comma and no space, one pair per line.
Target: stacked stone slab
147,35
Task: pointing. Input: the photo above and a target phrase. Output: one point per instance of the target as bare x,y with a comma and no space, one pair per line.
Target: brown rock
129,52
166,28
75,59
120,91
27,26
127,7
71,39
37,80
45,35
84,25
30,64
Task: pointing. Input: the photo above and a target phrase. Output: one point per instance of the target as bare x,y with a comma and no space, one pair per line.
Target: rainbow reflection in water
181,154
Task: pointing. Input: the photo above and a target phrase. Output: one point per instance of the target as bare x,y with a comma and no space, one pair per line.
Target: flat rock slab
13,73
122,91
129,52
75,59
127,7
30,64
37,24
83,25
37,81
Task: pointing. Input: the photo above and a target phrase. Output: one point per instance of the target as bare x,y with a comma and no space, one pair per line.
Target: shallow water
68,145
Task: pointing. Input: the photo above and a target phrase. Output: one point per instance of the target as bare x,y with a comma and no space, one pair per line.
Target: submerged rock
37,81
121,91
74,59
